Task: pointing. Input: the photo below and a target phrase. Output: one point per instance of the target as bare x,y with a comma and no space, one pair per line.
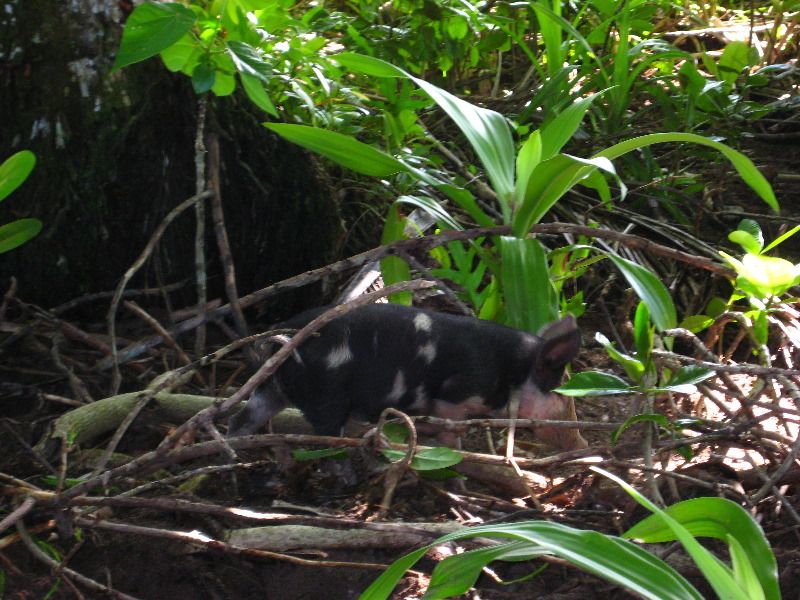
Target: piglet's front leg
265,403
471,407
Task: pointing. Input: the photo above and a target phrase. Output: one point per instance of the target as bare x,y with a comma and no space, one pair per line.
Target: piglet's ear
564,325
561,342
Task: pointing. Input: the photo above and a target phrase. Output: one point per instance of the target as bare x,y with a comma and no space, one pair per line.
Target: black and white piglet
420,362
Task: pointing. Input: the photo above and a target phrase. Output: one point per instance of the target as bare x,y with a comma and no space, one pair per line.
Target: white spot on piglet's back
398,388
421,399
423,322
427,351
339,356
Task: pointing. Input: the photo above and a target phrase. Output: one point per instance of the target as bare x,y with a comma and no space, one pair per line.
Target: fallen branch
288,538
412,245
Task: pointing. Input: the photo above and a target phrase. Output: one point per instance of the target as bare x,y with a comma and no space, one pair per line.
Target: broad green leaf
754,229
711,67
456,574
716,307
492,40
743,571
385,583
660,420
690,374
688,423
595,383
735,59
203,77
428,459
684,388
254,88
224,84
611,559
650,289
341,149
457,27
766,275
339,453
151,28
633,367
487,130
552,30
231,15
743,165
760,326
368,65
574,305
527,285
445,62
18,232
559,131
691,79
248,60
178,54
596,181
717,518
734,262
465,272
492,306
746,241
643,333
528,158
550,180
439,474
15,170
490,137
696,323
395,432
407,119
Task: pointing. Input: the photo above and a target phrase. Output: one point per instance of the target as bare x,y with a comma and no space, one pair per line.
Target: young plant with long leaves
527,184
752,575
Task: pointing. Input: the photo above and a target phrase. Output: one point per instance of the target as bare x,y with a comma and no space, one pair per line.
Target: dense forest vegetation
190,173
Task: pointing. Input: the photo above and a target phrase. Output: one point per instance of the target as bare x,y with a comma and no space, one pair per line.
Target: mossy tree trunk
115,154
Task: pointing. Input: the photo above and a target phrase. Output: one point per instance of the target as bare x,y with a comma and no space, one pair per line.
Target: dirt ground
171,540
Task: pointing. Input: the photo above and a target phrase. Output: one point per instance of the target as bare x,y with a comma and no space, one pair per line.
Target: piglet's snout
553,407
